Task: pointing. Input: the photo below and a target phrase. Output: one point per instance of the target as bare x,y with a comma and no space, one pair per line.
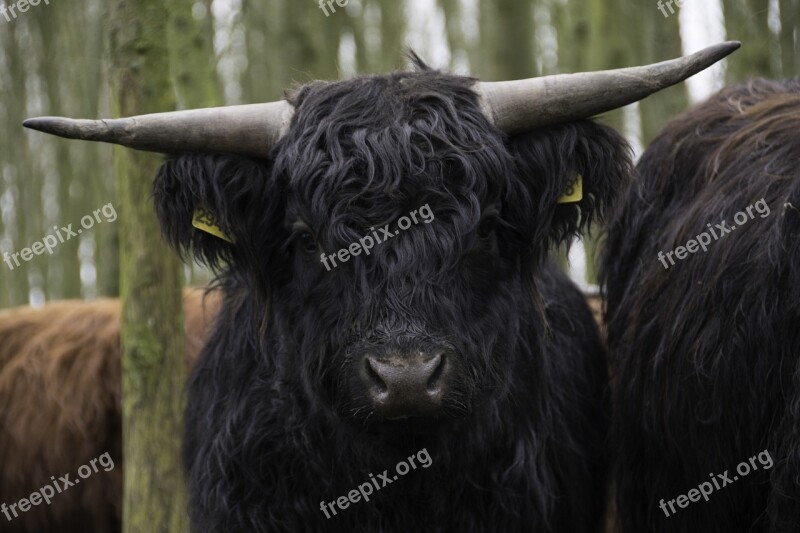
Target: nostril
374,377
435,381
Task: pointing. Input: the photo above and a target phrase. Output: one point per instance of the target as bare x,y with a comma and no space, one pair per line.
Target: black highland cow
455,337
706,357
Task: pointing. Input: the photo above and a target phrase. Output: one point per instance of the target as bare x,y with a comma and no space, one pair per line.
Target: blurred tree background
54,60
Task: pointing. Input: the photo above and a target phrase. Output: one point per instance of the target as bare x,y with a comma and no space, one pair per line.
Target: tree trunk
790,37
746,20
154,498
191,57
18,160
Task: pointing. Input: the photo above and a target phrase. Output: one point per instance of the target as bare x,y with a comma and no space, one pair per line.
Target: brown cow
60,408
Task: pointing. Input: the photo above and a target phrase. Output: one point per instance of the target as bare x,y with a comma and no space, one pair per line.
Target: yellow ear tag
574,192
204,220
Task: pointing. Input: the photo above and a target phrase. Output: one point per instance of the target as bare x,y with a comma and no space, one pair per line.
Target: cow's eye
304,238
307,242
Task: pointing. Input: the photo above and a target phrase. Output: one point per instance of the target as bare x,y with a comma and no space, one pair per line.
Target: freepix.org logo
47,493
704,239
705,489
367,242
10,12
423,459
329,4
663,5
50,242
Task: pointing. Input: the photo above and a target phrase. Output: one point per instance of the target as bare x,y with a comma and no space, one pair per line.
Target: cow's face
417,320
394,238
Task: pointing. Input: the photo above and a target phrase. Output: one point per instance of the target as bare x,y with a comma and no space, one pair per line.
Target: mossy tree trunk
154,497
18,161
192,56
393,31
747,21
789,42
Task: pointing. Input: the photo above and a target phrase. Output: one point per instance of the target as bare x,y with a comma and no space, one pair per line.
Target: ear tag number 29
574,192
204,220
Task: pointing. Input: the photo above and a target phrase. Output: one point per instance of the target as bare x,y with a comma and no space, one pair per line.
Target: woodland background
54,60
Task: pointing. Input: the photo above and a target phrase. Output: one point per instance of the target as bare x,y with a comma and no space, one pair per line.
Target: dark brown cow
702,269
60,407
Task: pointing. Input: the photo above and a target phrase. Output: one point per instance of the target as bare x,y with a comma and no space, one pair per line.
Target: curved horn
521,105
240,129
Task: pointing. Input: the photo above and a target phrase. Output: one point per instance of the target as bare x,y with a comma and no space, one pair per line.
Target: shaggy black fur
706,361
277,421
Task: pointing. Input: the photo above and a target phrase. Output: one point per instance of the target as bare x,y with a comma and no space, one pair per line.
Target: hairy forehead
378,99
384,141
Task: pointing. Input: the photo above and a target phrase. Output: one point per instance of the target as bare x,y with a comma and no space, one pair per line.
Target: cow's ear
549,160
224,194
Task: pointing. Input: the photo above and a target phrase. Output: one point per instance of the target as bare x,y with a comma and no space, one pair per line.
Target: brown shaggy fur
60,405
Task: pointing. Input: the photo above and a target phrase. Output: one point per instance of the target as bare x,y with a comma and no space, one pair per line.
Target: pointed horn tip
728,47
706,57
70,128
54,125
37,123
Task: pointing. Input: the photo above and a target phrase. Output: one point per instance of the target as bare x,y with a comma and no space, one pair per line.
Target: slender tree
16,158
311,40
154,498
506,40
67,262
454,26
393,31
191,53
658,39
357,27
266,72
790,37
748,21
